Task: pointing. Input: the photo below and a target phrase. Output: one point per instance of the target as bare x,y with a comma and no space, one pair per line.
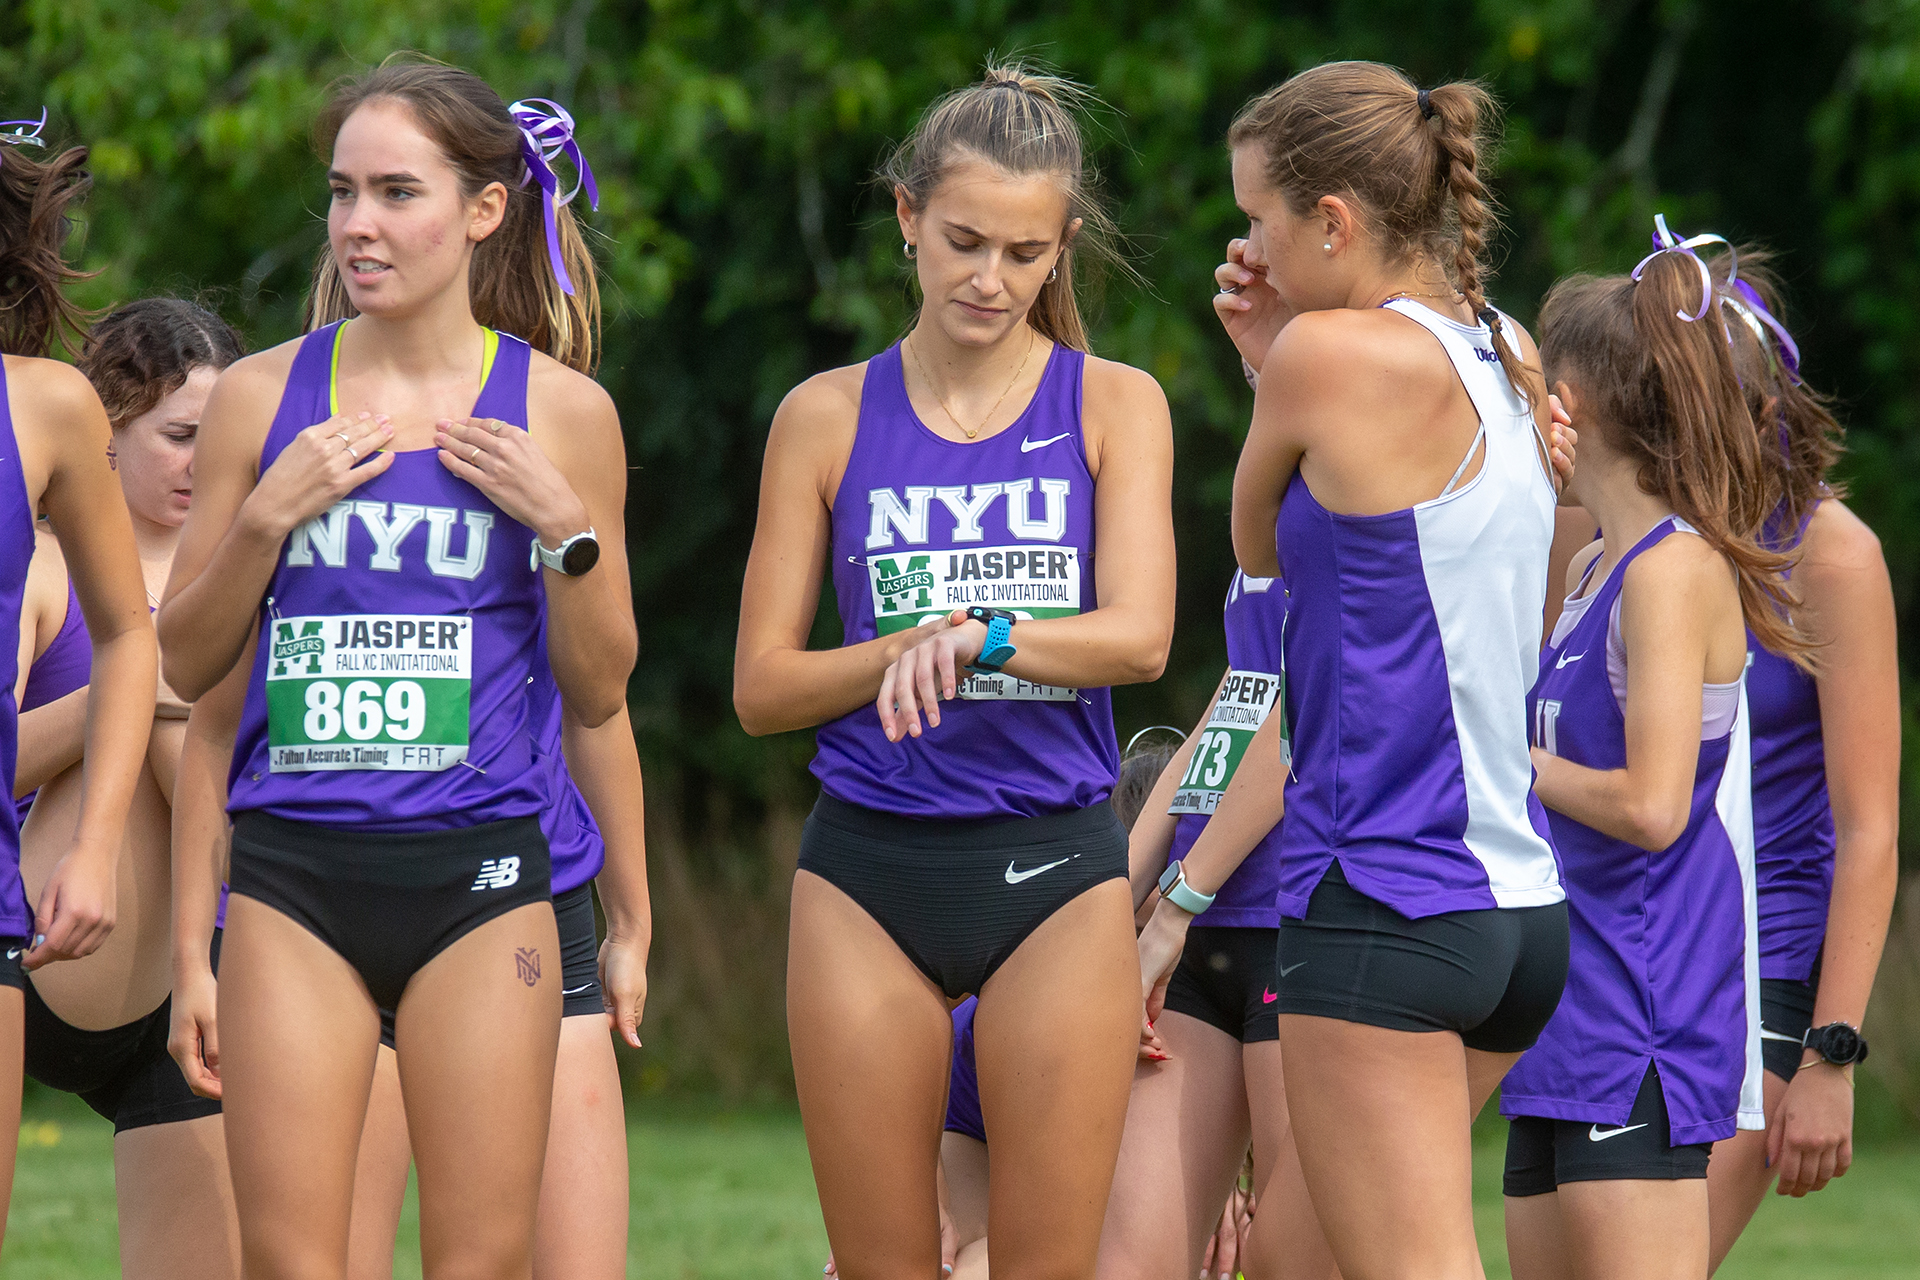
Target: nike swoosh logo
1287,969
1028,446
1267,996
1775,1035
13,954
1594,1134
1015,877
1565,658
574,991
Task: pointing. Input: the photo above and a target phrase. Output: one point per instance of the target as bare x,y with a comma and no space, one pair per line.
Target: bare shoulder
1345,354
1837,538
565,393
1107,384
255,382
1581,562
819,417
47,390
1680,566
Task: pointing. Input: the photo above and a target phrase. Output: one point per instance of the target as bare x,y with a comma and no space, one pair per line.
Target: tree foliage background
744,248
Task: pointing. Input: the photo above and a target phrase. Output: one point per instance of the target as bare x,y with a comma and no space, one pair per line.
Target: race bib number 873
368,691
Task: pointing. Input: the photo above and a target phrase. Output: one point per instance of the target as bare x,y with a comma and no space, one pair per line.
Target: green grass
728,1194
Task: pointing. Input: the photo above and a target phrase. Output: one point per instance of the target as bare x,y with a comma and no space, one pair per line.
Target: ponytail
1666,390
36,197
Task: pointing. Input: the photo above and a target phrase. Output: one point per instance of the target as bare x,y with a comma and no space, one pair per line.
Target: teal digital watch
998,646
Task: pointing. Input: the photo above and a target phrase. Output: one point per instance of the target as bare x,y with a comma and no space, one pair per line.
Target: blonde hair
512,283
1022,122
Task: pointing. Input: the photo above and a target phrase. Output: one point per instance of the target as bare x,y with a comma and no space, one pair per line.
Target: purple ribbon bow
1751,309
23,133
546,133
1664,241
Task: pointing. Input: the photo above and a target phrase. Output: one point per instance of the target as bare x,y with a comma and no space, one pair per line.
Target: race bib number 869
368,691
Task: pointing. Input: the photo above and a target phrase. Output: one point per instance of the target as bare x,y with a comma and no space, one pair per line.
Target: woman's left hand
926,674
1161,943
623,984
1811,1138
503,462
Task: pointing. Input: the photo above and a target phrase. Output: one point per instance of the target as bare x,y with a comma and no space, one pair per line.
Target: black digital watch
1838,1043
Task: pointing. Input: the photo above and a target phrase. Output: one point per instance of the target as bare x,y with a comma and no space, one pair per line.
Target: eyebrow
378,179
966,230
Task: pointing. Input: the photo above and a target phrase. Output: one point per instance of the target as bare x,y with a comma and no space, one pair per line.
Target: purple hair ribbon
1755,313
1664,241
546,133
24,133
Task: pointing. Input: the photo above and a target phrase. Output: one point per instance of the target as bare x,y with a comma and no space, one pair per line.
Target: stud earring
907,248
1328,246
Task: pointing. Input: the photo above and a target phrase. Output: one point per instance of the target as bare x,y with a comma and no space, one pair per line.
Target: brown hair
1409,158
1022,122
1800,439
1667,394
512,283
1139,773
35,198
142,353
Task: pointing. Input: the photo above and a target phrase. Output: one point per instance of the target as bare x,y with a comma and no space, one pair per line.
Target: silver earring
907,248
1328,246
1053,275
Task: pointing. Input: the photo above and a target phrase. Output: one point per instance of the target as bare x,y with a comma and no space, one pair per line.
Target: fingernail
39,939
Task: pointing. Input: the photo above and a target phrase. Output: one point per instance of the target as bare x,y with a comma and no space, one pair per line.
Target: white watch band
1175,889
555,558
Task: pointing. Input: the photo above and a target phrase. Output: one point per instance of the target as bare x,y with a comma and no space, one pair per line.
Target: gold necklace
973,434
1454,294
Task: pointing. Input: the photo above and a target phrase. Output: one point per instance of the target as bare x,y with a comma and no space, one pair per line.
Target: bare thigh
12,1077
1738,1176
1382,1120
380,1176
177,1219
1183,1145
1055,1040
1286,1242
476,1043
963,1159
298,1033
582,1224
1635,1229
872,1044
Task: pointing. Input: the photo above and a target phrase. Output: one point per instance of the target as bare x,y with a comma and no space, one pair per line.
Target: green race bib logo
368,691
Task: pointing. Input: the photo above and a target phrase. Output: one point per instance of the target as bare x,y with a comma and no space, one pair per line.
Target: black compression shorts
1542,1154
1225,979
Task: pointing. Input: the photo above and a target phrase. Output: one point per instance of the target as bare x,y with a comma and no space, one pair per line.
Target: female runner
1826,768
1641,755
957,485
1397,441
98,1027
56,456
399,503
1212,1078
598,841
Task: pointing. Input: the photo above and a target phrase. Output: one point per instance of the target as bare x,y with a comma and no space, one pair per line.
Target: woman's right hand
1247,305
1161,944
320,466
193,1039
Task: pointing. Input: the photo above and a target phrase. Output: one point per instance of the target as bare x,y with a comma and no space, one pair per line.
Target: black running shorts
1493,976
1225,979
389,903
124,1073
959,897
1786,1015
1542,1154
11,974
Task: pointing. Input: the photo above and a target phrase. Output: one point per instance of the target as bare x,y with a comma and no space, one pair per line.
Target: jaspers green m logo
303,650
892,586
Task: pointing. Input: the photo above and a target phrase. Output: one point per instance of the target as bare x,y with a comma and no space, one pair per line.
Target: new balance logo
497,873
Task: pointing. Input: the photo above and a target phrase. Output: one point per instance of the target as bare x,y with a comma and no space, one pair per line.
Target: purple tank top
923,525
1663,969
398,633
1792,819
1412,639
1256,617
573,837
16,552
66,665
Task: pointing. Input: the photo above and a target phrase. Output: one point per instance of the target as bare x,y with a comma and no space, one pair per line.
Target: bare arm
240,518
64,438
605,765
1252,807
1125,637
565,475
1670,639
778,683
1151,840
53,737
1849,605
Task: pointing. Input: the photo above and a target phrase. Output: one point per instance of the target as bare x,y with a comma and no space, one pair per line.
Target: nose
987,279
356,220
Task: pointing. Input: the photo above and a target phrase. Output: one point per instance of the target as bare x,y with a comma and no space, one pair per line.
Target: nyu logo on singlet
915,586
388,524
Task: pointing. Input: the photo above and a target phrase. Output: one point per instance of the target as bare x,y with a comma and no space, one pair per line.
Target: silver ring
473,459
349,449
